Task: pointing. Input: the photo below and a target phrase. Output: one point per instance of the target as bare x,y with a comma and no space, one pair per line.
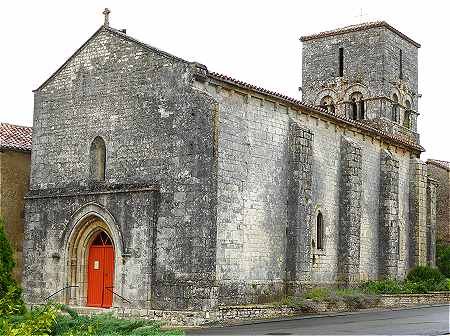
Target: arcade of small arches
357,110
397,108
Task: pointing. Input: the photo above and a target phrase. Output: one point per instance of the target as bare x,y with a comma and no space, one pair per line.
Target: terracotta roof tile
15,137
318,110
358,27
440,163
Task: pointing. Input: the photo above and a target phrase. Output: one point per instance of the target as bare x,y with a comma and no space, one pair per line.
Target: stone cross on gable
106,13
361,15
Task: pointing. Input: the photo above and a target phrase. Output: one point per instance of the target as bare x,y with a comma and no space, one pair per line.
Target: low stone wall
227,314
407,300
383,301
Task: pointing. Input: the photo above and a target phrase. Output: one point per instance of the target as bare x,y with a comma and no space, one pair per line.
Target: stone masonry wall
350,211
47,260
253,195
432,187
158,130
418,210
389,216
442,176
14,182
371,66
362,63
299,207
252,189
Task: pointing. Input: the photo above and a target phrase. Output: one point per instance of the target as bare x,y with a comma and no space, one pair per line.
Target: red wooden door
108,276
100,272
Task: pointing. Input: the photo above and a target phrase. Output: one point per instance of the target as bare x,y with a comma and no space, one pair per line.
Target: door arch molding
84,224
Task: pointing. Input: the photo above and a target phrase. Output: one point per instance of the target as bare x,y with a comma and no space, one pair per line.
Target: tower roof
13,137
358,27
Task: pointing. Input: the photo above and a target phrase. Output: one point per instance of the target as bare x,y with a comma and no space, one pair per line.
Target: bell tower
365,72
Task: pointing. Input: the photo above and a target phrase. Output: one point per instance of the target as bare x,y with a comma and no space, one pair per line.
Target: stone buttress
350,211
298,258
418,213
432,186
389,216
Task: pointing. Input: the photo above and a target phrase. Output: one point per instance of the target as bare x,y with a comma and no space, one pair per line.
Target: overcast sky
254,41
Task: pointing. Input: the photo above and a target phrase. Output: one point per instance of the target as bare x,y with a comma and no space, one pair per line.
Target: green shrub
6,262
443,258
424,273
106,325
39,322
11,303
317,294
387,286
290,301
427,279
10,294
415,288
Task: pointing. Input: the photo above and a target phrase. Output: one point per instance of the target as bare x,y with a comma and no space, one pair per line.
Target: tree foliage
10,293
6,262
443,258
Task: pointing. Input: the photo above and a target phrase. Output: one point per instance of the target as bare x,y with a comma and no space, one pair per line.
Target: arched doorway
91,229
100,271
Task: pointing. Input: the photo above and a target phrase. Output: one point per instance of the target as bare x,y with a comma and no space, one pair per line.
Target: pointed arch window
97,157
320,231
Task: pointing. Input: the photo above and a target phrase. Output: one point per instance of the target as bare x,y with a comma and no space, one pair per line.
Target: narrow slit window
401,65
341,62
320,231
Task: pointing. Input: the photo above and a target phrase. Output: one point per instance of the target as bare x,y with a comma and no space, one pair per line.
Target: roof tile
316,109
358,27
15,137
440,163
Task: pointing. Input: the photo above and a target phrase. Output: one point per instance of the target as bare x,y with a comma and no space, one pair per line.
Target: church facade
159,184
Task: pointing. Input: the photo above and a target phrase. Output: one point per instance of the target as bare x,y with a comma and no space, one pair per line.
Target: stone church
159,184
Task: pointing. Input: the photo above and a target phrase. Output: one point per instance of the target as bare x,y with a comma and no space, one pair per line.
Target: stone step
92,310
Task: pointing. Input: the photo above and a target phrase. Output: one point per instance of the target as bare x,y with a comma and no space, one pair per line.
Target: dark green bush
427,279
6,262
443,258
10,293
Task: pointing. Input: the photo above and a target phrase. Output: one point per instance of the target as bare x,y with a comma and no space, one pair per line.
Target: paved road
418,321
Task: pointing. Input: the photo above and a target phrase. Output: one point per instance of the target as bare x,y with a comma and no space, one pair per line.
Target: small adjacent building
440,171
15,157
